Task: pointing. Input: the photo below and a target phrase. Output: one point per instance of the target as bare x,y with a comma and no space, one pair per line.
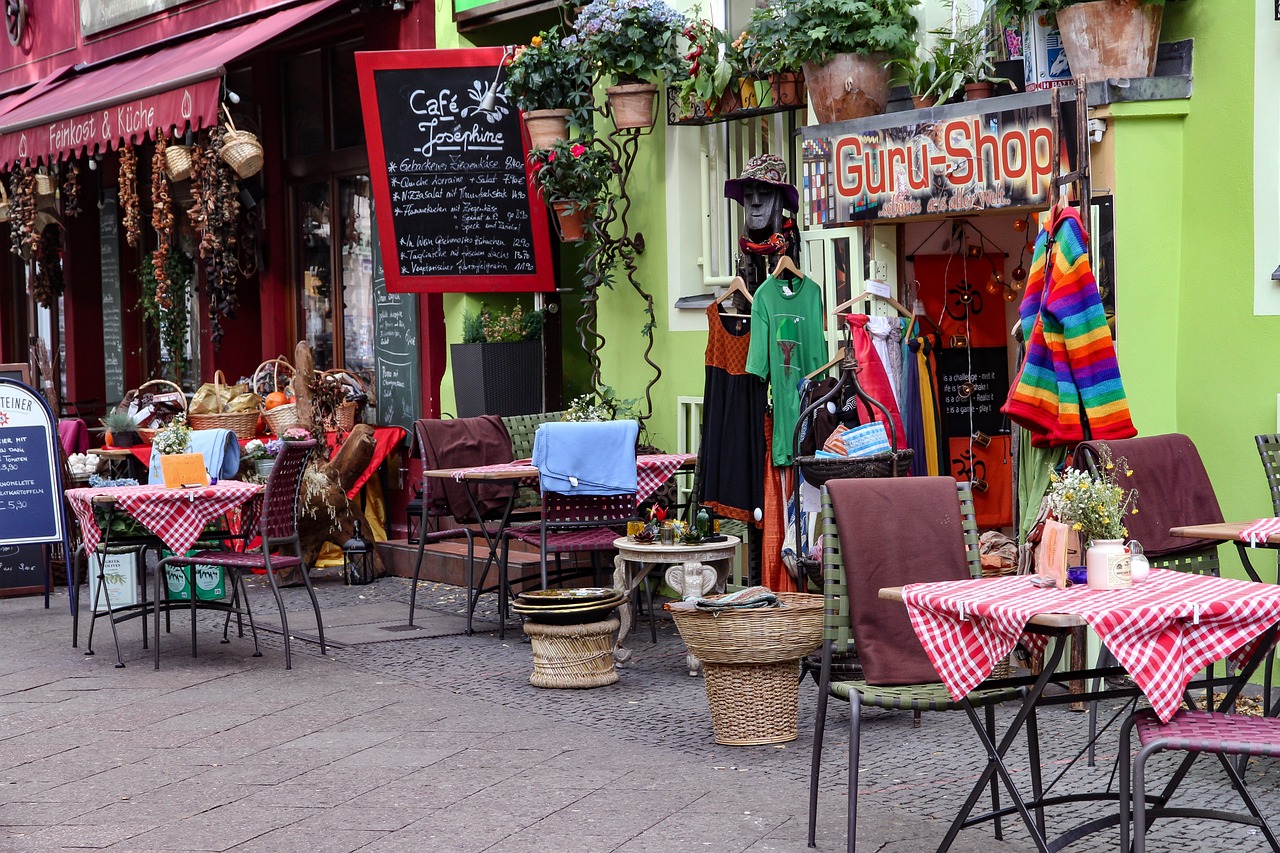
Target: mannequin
768,231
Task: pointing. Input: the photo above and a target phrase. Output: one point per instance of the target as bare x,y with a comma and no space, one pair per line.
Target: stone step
446,562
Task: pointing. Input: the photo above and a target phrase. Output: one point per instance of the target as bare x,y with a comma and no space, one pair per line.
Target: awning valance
175,87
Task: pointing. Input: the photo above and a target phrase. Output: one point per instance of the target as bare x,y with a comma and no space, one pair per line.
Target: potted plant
709,72
633,41
762,45
552,87
1095,508
1103,39
497,369
572,177
967,55
121,429
846,48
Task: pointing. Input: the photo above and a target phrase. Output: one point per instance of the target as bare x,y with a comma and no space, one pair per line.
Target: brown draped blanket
466,443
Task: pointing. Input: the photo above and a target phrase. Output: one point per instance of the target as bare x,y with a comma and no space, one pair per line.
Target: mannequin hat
765,169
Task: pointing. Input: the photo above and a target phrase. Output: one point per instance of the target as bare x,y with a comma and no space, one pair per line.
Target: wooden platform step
446,562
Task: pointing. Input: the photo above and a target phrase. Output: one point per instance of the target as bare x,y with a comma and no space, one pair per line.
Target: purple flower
273,448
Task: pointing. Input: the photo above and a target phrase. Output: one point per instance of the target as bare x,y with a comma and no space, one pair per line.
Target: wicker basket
45,184
148,434
347,416
750,659
818,469
274,374
177,162
241,149
243,424
572,656
282,417
6,209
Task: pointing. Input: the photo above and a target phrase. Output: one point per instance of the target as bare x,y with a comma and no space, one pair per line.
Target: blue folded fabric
587,458
219,448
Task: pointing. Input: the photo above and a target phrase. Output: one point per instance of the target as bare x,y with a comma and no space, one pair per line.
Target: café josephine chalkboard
453,195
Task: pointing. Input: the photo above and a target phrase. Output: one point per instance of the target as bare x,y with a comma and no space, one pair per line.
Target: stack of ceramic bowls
568,606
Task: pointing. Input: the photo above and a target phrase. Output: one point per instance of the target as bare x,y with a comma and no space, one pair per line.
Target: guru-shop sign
964,164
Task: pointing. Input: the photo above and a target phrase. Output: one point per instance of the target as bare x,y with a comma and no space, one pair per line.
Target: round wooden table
635,560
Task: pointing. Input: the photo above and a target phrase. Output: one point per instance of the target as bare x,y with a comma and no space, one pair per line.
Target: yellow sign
183,470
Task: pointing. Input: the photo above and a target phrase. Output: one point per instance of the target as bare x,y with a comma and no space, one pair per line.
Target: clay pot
631,104
572,221
923,103
978,91
848,86
546,127
787,88
1106,39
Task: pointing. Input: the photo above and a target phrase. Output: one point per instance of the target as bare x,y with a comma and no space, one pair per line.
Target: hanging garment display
1069,388
875,376
733,450
786,343
778,487
920,415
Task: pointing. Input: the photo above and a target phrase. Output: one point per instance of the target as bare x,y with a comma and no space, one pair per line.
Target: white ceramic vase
1107,564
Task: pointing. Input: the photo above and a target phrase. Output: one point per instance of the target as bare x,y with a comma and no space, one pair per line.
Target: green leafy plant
605,407
763,42
489,326
709,67
632,40
1094,507
547,75
1007,11
172,321
472,328
967,53
815,30
119,421
574,172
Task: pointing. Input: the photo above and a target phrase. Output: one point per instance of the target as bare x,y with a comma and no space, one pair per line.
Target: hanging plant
162,222
71,190
172,320
131,219
24,239
215,215
46,282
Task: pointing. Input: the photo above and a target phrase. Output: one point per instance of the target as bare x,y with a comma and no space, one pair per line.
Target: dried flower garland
215,215
131,218
24,239
46,282
162,222
71,191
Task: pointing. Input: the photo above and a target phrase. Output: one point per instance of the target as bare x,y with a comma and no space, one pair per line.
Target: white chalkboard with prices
454,201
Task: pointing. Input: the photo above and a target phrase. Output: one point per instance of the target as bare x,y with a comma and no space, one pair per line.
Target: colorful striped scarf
1071,358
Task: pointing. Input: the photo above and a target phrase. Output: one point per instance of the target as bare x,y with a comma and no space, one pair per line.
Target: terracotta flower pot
978,91
728,102
787,88
546,127
923,103
572,221
631,104
1107,39
848,86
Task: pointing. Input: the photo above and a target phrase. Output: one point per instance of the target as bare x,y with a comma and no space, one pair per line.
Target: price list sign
30,490
454,196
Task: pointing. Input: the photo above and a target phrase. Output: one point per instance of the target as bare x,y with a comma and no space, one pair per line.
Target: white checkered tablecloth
1162,631
652,471
175,516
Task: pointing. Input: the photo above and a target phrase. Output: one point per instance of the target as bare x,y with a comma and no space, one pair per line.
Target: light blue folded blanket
219,448
587,458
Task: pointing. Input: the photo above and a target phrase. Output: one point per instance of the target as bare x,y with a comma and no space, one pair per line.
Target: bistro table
175,518
652,470
635,560
1162,631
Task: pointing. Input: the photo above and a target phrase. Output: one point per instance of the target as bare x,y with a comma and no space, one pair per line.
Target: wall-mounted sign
456,207
964,164
99,15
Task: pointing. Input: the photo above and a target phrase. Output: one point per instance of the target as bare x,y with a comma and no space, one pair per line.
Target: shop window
304,124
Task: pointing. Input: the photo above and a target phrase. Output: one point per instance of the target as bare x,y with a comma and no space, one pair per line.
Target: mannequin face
763,203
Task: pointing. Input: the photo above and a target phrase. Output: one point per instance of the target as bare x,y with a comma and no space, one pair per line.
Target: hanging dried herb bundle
71,190
46,283
24,240
162,221
171,321
215,215
131,218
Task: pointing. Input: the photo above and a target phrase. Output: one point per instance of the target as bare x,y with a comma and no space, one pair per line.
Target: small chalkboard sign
112,316
395,350
31,507
972,380
455,191
23,569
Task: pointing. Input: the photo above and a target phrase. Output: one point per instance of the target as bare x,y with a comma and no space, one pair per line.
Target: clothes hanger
867,294
785,264
839,356
736,286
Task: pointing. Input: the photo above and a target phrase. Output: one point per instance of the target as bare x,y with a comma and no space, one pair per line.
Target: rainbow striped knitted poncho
1071,359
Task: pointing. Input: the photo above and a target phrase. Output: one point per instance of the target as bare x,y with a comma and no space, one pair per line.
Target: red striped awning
92,109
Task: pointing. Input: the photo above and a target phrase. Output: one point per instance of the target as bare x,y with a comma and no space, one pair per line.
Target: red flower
551,156
578,150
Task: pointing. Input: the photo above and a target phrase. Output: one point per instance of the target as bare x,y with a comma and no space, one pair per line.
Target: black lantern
357,559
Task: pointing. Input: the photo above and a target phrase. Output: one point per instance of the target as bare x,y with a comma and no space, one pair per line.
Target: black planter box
497,379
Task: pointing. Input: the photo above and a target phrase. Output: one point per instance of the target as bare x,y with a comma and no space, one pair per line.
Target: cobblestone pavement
442,744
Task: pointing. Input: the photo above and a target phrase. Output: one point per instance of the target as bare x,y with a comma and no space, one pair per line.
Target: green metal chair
837,633
522,428
1269,450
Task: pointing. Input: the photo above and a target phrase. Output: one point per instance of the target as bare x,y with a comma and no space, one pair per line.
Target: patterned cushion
586,539
236,559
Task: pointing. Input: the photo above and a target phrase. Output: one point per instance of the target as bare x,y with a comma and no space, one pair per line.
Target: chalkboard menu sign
395,351
23,569
455,192
112,318
30,487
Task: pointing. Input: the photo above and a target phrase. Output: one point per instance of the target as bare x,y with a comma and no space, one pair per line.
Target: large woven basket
818,469
148,434
274,374
241,149
758,635
572,656
282,417
753,704
243,424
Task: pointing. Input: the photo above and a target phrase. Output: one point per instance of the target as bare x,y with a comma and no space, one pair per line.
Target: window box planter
497,378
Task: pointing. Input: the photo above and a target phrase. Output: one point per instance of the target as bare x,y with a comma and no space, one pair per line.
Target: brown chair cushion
1173,490
895,531
465,443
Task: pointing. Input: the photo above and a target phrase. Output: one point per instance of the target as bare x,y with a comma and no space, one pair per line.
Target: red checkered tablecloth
652,470
175,516
1162,631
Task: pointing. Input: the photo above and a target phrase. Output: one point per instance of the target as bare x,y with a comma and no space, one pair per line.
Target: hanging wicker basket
241,149
6,207
177,162
45,184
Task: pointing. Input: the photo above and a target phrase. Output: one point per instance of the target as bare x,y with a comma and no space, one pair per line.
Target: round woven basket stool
753,703
572,656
